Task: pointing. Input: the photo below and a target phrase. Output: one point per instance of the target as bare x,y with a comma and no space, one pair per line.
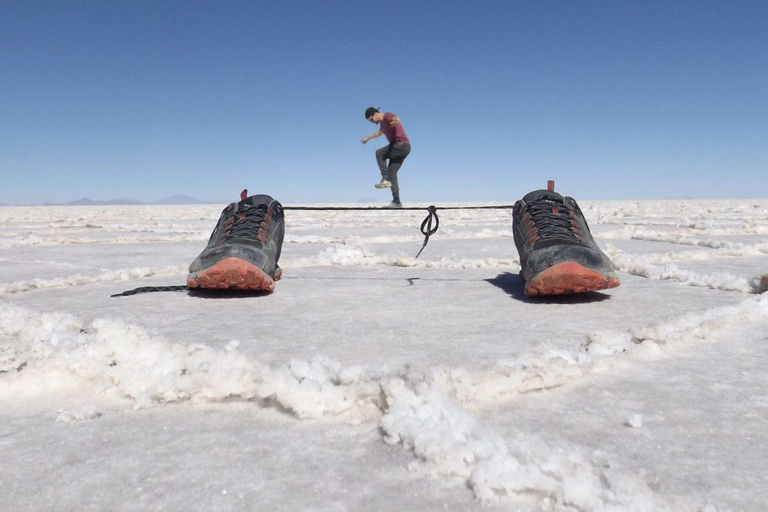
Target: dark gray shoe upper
551,229
251,230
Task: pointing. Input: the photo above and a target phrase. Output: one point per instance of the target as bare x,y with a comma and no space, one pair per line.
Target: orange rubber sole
234,274
568,277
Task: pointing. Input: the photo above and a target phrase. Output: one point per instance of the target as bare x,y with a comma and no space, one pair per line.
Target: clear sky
612,99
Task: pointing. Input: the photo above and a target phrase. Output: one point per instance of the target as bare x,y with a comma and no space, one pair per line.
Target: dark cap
370,111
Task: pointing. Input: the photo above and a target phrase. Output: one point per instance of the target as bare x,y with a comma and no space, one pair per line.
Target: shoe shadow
511,284
515,287
225,294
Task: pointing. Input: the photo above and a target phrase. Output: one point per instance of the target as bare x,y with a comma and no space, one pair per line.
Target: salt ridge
80,280
646,266
422,411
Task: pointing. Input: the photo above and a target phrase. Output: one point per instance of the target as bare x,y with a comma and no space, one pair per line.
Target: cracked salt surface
372,380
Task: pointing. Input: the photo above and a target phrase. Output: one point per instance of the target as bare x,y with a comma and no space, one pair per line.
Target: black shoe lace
552,220
247,222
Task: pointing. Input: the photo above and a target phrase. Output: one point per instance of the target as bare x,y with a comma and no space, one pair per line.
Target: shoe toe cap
585,256
211,255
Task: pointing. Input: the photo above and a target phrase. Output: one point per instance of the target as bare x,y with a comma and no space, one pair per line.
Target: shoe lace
246,221
548,218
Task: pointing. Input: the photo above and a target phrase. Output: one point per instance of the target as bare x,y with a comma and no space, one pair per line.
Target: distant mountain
185,199
87,201
179,199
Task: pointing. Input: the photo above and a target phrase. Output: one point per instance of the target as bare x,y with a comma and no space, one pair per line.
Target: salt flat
371,380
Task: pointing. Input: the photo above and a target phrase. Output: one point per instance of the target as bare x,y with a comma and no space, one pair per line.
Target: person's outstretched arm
375,134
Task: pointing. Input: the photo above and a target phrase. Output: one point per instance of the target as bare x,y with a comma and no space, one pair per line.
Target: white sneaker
383,184
395,205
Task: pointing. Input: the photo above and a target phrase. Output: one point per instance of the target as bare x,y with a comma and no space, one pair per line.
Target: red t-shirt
392,133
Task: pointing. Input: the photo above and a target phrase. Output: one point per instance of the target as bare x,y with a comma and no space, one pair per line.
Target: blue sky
613,100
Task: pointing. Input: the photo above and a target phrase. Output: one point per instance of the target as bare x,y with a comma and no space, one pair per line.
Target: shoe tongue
543,195
256,200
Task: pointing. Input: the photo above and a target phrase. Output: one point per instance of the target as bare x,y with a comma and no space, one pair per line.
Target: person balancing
390,158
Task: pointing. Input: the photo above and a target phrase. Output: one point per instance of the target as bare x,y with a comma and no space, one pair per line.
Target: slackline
428,228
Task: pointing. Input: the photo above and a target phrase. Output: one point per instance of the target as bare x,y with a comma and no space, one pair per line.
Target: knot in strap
426,226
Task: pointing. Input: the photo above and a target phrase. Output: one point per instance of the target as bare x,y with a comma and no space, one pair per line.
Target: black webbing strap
427,229
148,289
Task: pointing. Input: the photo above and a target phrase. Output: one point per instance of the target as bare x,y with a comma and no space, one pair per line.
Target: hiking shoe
244,248
557,252
383,184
